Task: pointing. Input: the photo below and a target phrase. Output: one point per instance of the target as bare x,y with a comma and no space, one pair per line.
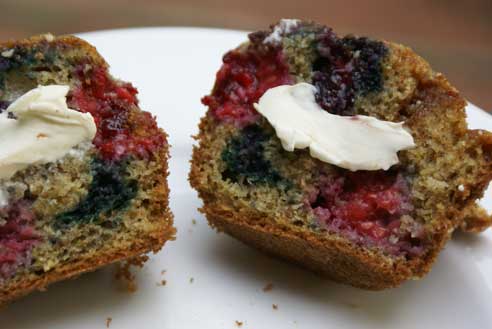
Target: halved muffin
70,205
372,228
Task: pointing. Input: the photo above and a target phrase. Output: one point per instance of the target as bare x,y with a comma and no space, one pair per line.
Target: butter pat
40,128
350,142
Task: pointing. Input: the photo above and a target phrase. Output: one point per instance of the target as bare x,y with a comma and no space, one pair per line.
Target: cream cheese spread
39,128
351,142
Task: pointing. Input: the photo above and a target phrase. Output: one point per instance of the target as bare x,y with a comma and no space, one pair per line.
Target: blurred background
454,36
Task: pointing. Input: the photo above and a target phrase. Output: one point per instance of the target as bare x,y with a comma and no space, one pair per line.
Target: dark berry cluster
367,55
345,68
245,160
109,191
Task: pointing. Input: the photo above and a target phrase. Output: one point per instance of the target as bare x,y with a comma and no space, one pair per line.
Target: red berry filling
17,237
371,208
121,129
242,80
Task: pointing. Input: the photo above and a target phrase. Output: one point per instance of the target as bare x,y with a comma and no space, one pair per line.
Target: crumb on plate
124,275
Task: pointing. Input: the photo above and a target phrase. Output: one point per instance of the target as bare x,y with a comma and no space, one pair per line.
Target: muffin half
83,171
368,226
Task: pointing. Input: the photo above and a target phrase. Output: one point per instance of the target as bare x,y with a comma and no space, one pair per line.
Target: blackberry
367,74
344,69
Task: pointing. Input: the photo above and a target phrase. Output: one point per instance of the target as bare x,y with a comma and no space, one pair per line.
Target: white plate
173,68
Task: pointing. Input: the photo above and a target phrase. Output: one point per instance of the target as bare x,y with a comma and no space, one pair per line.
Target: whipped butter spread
40,128
351,142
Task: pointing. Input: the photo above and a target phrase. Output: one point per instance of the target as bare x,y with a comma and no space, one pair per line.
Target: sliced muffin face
371,229
105,199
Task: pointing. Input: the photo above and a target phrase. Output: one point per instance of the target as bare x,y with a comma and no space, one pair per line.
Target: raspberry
111,105
17,237
367,205
243,78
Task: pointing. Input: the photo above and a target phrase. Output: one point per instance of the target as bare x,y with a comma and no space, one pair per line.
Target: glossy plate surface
212,280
